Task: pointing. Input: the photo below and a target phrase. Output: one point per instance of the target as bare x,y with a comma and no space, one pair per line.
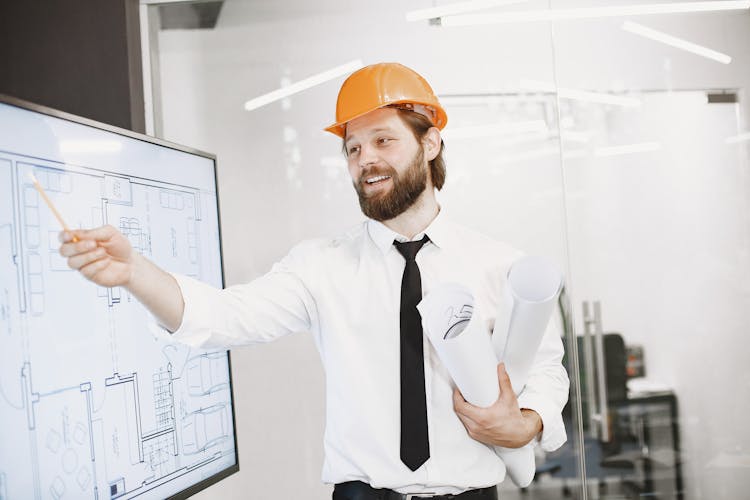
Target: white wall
282,179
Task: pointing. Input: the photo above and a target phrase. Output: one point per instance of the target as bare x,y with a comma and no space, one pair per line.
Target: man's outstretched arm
105,256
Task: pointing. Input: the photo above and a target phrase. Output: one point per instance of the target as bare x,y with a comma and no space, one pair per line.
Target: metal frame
670,399
20,103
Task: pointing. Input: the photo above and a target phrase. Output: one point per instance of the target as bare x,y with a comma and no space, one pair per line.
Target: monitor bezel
38,108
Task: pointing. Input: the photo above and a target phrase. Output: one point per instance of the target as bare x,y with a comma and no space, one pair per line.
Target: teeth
376,179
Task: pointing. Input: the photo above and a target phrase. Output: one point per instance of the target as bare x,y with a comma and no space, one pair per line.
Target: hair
419,124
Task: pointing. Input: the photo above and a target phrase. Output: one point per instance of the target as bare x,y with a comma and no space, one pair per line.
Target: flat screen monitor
92,403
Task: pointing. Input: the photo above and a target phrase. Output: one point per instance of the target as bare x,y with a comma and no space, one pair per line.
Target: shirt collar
383,236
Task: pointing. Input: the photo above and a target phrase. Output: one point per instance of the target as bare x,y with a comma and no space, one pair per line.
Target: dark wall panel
79,56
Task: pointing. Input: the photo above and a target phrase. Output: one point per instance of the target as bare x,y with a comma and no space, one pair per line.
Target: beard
405,191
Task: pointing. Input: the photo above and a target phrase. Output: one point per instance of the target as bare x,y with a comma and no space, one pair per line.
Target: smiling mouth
374,180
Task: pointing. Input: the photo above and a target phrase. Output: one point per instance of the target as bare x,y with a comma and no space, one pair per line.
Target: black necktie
415,446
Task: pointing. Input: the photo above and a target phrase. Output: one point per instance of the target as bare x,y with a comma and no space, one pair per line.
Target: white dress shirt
346,293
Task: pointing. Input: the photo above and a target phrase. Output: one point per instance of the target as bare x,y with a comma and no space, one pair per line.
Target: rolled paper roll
531,292
455,328
533,285
519,463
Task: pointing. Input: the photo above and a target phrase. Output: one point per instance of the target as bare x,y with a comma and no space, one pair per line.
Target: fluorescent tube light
457,8
525,138
70,146
658,36
580,95
567,122
574,153
301,85
450,101
551,151
576,136
593,12
495,129
738,138
529,155
642,147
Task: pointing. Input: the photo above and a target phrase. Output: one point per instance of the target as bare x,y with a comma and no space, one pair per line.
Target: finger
71,235
506,388
81,260
102,233
463,407
66,236
470,426
458,400
70,249
91,270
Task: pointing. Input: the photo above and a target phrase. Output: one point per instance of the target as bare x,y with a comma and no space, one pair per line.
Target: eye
352,150
384,140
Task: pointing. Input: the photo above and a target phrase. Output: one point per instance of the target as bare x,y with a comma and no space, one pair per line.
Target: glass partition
657,211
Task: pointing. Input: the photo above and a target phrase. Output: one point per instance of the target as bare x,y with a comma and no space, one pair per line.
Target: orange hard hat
385,84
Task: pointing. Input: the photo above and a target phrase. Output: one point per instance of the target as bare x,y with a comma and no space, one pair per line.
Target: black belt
357,490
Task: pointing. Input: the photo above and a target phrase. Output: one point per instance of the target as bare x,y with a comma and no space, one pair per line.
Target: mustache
375,171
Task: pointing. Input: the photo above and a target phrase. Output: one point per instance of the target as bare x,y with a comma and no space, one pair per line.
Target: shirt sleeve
274,305
546,391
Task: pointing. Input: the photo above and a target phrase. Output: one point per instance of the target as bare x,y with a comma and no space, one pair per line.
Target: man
394,424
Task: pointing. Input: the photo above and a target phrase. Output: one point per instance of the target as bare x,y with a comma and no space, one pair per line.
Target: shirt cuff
553,432
196,296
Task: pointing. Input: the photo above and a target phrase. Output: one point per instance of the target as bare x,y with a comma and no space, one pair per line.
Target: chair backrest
615,361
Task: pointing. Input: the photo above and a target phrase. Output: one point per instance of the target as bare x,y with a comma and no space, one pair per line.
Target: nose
367,156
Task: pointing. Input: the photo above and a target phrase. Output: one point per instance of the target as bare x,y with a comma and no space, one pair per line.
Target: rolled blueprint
459,335
456,330
531,292
461,338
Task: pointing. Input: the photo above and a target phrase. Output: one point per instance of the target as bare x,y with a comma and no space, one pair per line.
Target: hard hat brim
440,121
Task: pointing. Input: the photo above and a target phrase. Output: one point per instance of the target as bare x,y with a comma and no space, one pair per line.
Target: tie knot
409,249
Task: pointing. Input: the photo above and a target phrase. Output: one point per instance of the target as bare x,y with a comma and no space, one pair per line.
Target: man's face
386,163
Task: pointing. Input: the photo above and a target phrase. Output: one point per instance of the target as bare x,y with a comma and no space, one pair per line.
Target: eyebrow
373,131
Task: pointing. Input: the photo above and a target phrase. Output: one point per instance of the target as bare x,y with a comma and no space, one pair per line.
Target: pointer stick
50,205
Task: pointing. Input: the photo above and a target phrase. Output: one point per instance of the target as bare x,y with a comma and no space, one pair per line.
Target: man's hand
503,423
103,255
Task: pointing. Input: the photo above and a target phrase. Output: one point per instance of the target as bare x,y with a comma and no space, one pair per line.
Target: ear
431,142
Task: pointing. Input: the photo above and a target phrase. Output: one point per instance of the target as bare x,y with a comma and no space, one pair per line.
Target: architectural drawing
92,405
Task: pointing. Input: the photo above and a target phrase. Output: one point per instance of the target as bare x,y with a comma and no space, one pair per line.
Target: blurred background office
610,136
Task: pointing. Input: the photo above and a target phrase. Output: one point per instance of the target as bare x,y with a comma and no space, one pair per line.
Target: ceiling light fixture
452,9
658,36
642,147
301,85
580,95
593,12
538,154
495,129
576,136
738,138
